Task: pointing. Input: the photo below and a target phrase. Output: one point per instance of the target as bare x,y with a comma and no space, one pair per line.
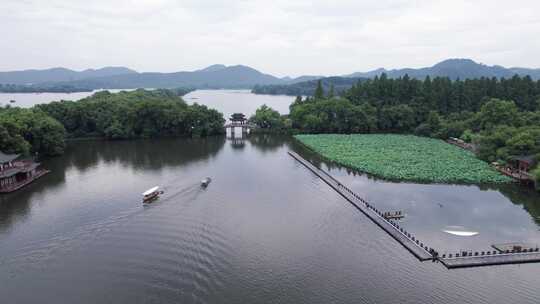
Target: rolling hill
454,69
216,76
28,77
219,76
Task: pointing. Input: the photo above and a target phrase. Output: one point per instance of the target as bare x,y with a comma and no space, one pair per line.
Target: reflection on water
83,156
527,198
265,230
432,208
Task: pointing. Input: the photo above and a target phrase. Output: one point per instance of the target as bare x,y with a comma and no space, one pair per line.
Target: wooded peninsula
125,115
499,117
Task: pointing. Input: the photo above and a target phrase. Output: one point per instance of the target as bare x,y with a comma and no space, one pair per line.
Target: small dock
491,259
501,256
397,215
518,175
513,247
411,243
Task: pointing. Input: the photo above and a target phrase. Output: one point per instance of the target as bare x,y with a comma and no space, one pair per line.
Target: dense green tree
267,118
135,114
536,175
496,112
491,142
444,95
331,92
336,115
319,91
29,130
400,118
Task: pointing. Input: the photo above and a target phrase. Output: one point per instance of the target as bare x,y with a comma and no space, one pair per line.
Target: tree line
18,88
307,88
500,116
124,115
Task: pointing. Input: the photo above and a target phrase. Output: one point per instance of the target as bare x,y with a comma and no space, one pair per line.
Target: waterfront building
15,173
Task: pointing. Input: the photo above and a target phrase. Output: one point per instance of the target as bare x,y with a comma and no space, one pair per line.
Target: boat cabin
15,174
205,182
151,194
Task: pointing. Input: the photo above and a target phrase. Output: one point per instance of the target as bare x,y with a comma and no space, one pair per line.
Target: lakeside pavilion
15,174
523,162
238,118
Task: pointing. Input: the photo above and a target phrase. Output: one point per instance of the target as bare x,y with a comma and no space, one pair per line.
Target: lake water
266,230
27,100
233,101
225,101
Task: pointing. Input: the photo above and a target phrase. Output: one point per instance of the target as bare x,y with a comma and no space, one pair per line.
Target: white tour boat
205,182
151,194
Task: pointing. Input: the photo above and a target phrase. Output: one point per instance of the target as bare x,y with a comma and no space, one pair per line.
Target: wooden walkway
410,242
520,176
487,260
417,248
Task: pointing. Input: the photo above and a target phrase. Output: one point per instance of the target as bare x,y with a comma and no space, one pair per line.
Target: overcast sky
280,37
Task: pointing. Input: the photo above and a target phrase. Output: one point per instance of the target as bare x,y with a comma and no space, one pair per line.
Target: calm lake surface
27,100
266,230
233,101
225,101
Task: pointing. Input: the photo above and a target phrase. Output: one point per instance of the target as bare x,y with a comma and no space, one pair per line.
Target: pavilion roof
6,158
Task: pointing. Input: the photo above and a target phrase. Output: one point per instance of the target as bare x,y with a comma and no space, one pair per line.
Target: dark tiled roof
4,158
525,158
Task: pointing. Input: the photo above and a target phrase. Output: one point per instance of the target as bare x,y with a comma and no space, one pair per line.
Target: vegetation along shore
137,114
498,118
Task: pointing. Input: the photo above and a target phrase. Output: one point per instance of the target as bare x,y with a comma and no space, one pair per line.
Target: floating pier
411,243
420,250
491,258
397,215
513,247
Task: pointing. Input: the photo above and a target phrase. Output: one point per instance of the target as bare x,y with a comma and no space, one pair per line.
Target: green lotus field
404,157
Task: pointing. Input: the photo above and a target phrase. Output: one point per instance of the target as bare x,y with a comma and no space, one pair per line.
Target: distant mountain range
216,76
219,76
454,69
29,77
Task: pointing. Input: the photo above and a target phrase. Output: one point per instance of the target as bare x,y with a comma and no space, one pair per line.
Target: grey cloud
280,37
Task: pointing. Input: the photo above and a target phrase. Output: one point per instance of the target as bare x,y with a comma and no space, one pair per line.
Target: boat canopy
150,191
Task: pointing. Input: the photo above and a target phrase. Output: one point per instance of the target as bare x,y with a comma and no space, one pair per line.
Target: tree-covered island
124,115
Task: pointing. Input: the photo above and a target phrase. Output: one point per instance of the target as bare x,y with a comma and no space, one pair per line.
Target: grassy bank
403,157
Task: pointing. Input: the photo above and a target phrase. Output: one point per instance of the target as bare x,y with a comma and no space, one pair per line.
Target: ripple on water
167,248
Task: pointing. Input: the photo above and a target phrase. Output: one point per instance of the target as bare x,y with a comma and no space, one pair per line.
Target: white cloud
279,37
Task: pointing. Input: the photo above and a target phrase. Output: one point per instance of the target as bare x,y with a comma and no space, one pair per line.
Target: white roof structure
150,191
461,233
